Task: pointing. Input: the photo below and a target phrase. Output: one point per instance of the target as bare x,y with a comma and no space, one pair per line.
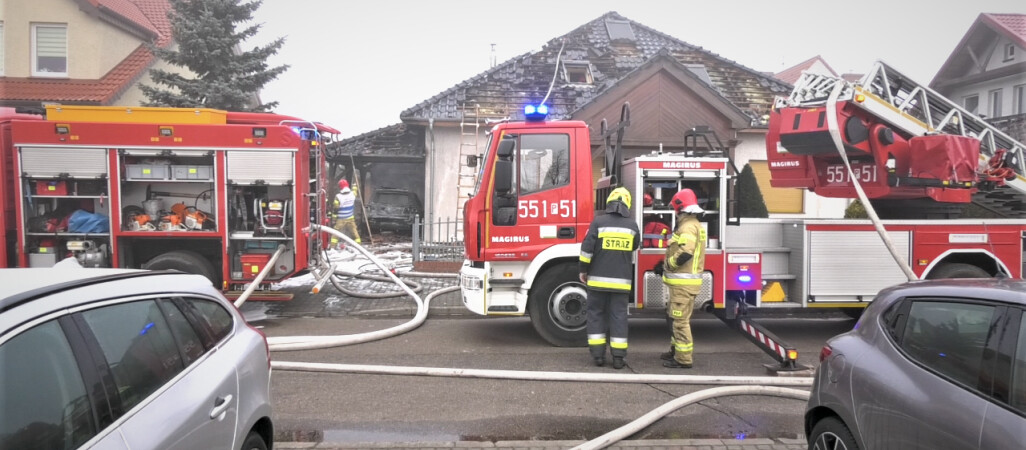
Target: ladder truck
536,197
222,194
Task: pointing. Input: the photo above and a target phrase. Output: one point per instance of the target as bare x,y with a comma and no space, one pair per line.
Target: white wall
753,147
1006,84
440,203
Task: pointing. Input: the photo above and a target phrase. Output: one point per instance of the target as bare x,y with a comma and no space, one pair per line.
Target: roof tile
501,90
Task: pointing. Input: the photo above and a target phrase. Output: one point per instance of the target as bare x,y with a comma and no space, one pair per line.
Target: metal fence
441,240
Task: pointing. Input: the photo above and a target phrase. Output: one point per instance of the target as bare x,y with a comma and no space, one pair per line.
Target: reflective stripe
681,239
684,348
596,339
618,343
623,284
682,279
698,252
585,259
616,232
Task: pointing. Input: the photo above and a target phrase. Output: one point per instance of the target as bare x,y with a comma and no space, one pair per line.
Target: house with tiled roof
816,65
986,72
672,86
83,52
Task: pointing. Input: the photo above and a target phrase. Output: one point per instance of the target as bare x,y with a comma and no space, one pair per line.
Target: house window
778,200
577,72
620,30
1019,99
971,103
50,50
1009,52
995,103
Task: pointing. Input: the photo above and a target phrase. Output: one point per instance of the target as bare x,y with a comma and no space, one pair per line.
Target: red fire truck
535,200
199,190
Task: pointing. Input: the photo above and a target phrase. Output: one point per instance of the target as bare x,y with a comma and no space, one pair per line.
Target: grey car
930,365
394,209
128,359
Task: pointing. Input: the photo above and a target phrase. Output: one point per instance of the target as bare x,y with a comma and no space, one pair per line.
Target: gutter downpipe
430,219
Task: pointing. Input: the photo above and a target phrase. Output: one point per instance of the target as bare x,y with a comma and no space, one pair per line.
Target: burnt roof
502,90
396,140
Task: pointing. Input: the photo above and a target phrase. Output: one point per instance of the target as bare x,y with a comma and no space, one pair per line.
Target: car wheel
831,434
556,305
184,261
957,270
254,442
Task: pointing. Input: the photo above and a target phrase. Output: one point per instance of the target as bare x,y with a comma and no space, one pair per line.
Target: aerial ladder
904,140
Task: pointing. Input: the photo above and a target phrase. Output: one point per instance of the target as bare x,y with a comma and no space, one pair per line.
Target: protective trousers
682,301
607,311
348,227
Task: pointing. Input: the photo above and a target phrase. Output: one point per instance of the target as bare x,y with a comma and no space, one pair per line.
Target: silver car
930,365
128,359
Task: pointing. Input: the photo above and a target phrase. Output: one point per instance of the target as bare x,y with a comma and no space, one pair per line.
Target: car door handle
220,406
566,233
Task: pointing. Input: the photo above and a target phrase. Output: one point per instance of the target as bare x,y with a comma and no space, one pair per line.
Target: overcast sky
356,64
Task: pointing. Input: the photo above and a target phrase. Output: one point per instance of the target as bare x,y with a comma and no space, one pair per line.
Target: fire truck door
546,206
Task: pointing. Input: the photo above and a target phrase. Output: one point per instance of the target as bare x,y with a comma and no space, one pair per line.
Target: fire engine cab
199,190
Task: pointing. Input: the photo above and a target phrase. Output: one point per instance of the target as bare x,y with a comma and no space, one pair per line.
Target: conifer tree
750,201
222,75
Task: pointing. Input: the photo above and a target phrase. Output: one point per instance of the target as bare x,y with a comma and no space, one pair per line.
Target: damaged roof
602,52
393,141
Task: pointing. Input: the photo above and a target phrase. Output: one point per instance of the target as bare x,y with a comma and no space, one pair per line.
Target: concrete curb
684,444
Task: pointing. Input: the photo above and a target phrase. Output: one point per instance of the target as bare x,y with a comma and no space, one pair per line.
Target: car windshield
392,199
481,165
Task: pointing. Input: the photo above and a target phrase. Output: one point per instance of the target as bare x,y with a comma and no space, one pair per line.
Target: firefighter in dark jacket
682,274
607,255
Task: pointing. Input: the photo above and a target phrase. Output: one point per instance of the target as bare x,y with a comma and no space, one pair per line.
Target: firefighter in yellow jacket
682,273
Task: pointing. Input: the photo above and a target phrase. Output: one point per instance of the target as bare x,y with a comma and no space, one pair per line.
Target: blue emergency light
744,278
536,113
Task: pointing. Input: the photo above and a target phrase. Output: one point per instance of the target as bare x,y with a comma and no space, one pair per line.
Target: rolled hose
735,385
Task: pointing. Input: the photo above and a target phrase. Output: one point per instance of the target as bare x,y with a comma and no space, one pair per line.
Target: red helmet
648,200
685,201
343,184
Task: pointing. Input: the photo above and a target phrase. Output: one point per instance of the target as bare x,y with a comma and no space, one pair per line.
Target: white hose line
260,276
640,423
287,343
529,375
835,134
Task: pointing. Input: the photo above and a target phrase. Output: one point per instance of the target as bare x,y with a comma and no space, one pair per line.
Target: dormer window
577,72
620,30
1009,52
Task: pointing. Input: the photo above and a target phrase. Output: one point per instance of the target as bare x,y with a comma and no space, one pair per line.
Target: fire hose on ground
731,385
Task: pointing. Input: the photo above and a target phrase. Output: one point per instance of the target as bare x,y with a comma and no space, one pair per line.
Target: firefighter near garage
345,214
606,260
682,274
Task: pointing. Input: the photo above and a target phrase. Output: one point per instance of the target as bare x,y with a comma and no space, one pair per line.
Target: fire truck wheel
556,306
957,270
185,261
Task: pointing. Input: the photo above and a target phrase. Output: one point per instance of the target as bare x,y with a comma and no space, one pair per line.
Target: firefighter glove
658,269
683,258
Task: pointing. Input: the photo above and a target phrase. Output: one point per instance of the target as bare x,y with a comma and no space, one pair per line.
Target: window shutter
778,200
51,41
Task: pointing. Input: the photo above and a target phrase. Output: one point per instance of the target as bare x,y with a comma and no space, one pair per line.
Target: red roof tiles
1011,25
791,74
147,14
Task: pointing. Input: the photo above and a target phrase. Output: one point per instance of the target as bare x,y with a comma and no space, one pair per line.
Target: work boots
618,363
674,364
600,361
667,356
